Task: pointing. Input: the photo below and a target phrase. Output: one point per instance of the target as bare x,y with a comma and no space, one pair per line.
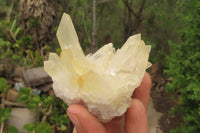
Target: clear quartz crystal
104,81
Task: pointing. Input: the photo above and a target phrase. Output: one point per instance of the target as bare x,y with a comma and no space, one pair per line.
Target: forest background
172,27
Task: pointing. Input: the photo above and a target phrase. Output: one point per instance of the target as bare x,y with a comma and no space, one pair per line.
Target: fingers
116,125
136,118
83,121
142,93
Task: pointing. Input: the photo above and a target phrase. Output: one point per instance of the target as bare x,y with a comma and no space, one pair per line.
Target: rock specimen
103,82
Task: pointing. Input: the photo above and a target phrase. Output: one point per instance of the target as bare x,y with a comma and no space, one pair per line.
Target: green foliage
52,111
4,87
16,47
4,114
162,23
183,66
16,51
58,51
38,128
12,129
108,21
33,22
25,95
58,113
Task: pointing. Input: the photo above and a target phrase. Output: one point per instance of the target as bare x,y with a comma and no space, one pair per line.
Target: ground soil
163,103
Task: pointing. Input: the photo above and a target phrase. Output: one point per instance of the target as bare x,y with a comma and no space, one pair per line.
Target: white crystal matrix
103,82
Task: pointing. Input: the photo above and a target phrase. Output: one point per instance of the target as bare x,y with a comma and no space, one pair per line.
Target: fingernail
73,117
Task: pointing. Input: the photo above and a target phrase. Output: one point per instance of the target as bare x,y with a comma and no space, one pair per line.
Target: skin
133,121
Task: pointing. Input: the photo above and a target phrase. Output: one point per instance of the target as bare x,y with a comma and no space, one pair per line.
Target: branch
2,126
103,1
8,103
141,7
129,8
44,118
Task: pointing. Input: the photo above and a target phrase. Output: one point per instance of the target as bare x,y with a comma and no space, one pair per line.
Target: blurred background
28,33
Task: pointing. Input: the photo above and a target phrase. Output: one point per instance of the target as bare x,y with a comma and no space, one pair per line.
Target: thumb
83,121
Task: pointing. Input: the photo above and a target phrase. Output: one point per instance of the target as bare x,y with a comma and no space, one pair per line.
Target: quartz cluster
103,82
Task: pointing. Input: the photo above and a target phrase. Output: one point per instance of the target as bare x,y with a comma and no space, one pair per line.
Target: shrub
52,111
5,111
183,66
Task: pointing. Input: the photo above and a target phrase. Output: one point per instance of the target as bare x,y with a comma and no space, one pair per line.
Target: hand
133,121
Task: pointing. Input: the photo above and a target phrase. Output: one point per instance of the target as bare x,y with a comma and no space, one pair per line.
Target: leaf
12,129
4,87
63,127
4,114
43,128
29,127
